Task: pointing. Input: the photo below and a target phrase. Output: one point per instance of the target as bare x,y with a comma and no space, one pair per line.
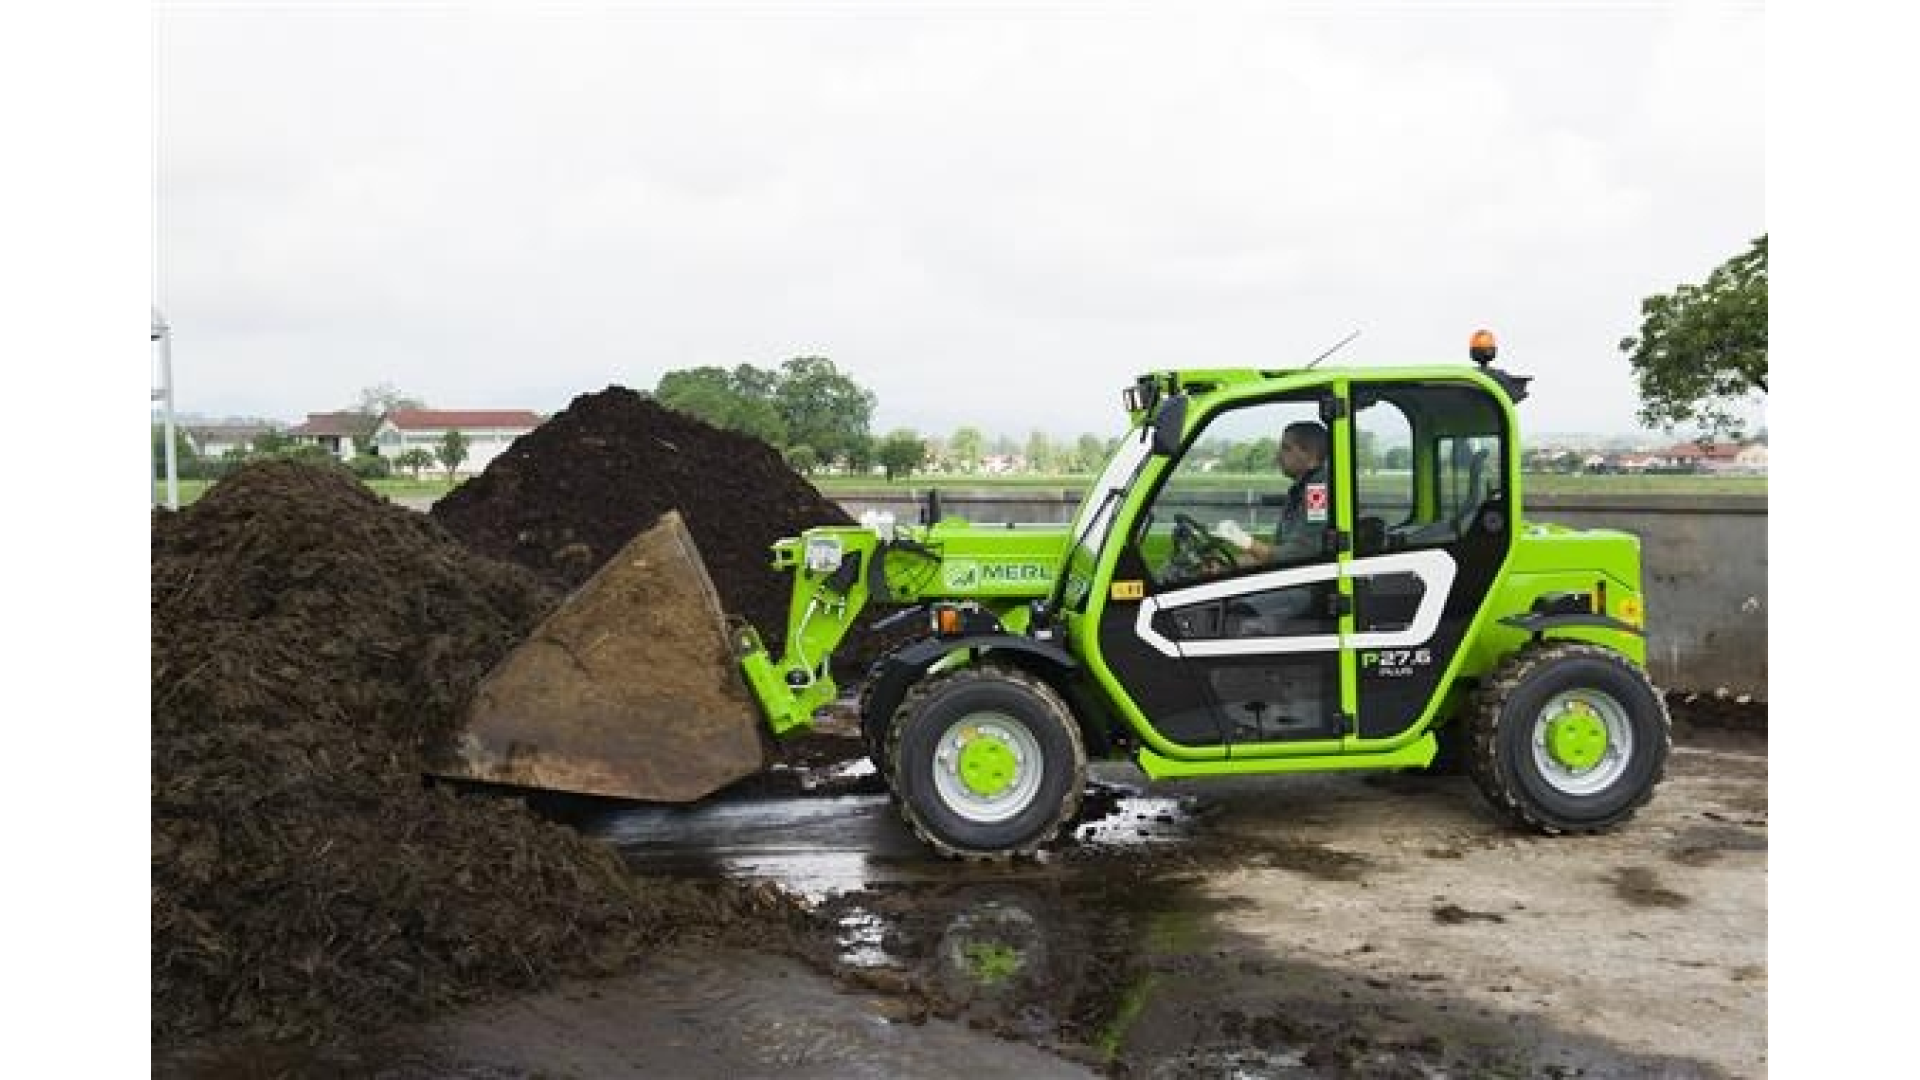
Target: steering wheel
1196,551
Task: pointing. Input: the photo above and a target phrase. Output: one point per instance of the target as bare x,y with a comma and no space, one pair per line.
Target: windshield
1095,516
1096,507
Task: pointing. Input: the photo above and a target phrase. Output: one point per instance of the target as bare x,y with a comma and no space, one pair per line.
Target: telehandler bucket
630,688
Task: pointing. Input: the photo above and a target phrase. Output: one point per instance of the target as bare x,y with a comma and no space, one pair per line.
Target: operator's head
1303,448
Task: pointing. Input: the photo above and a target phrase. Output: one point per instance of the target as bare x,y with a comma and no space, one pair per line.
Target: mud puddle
1104,952
823,844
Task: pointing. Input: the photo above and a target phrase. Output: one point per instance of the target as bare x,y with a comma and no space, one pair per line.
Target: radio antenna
1337,346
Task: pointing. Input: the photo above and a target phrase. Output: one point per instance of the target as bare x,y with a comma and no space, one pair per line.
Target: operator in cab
1302,456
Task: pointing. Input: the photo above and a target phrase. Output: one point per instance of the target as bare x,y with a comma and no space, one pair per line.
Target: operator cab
1250,561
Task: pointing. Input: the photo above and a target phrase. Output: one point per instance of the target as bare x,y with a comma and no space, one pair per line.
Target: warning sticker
1316,502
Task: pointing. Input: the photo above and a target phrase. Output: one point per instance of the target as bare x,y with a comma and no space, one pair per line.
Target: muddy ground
1338,926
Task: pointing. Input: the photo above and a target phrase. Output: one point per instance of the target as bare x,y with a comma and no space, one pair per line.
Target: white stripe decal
1434,567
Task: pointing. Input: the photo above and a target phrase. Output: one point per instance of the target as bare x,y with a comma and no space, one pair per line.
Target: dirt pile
567,495
309,639
1738,712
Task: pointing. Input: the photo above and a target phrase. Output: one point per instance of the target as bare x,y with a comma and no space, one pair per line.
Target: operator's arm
1247,550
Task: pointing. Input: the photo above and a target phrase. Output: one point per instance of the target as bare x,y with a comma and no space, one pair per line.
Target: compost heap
569,494
308,640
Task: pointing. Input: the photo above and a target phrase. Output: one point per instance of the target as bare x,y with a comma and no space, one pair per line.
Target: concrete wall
1704,560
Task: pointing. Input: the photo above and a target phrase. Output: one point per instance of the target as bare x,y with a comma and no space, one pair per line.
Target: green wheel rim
1582,741
987,767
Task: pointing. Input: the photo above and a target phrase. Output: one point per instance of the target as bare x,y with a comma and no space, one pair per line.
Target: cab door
1245,649
1431,530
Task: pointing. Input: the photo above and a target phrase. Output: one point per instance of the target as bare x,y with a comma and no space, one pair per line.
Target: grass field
1537,484
1540,484
392,489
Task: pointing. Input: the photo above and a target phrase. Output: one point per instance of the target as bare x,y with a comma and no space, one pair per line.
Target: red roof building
485,432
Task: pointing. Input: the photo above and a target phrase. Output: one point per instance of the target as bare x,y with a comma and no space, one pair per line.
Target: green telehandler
1412,609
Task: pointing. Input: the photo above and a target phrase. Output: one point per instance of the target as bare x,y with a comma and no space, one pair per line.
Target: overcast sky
987,218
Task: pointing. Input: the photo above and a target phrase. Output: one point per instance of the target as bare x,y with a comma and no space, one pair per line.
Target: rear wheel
1569,737
987,762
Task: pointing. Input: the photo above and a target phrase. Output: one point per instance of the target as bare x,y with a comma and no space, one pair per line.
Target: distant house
332,430
1718,458
217,440
487,431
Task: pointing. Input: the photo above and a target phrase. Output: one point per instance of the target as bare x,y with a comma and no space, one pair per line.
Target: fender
1537,623
894,673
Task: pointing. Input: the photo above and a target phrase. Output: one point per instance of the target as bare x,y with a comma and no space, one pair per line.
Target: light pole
163,334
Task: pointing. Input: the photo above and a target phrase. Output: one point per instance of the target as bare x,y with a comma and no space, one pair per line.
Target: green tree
1366,450
824,409
1090,453
901,452
1039,452
965,446
802,459
739,400
452,451
861,456
276,445
272,442
1252,456
1702,349
414,460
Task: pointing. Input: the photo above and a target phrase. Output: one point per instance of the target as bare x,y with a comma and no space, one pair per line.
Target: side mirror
1168,425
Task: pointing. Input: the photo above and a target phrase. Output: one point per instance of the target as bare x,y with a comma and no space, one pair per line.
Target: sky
992,214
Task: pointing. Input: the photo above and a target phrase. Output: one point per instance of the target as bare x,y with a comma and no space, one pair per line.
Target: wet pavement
1111,951
1336,926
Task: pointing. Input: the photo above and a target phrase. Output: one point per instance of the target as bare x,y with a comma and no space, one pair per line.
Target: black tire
1039,745
1581,690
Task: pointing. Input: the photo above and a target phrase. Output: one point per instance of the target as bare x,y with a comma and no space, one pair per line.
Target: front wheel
1568,737
987,762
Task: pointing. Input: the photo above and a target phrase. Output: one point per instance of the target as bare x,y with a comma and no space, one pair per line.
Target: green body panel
1004,570
1416,753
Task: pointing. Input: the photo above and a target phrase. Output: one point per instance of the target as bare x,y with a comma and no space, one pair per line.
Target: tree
739,400
1090,453
272,442
376,402
824,409
1366,450
901,452
1039,452
802,459
1253,456
451,452
965,447
1702,349
414,460
860,457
